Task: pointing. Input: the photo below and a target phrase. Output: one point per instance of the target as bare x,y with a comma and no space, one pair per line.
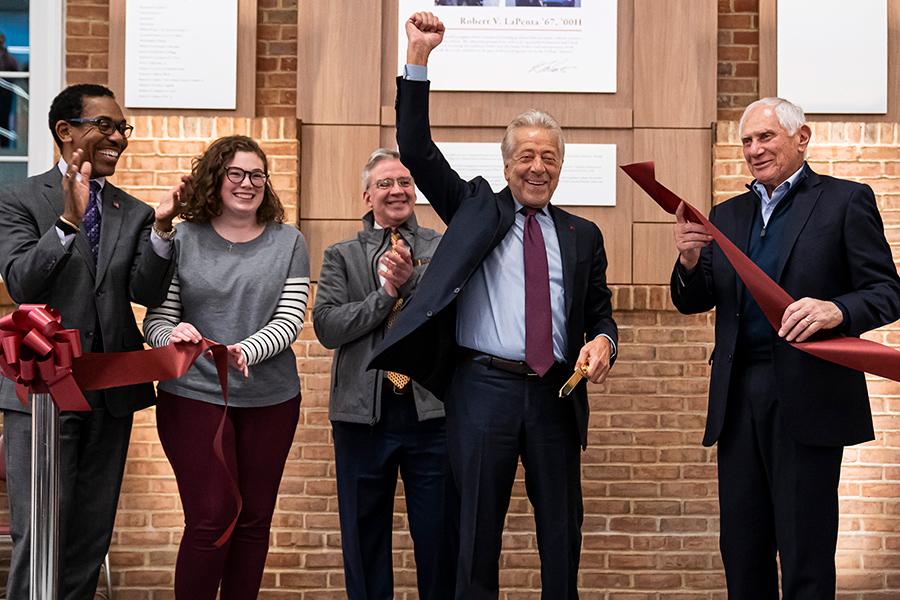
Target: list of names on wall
181,54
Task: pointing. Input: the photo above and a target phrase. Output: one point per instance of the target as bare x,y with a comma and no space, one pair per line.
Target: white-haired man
781,417
514,300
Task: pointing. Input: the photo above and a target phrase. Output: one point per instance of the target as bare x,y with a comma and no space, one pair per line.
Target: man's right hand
424,32
396,267
76,187
689,239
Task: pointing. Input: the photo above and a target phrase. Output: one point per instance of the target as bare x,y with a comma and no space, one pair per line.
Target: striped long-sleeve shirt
252,294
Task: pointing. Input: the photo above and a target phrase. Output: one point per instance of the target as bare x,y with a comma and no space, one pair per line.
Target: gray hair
534,119
790,116
378,155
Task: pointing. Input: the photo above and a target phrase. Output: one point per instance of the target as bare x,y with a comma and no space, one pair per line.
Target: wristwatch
66,227
164,235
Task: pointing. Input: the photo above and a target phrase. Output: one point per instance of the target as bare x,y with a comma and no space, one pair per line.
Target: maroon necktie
538,315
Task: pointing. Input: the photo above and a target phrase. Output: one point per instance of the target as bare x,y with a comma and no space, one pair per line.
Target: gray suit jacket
37,268
350,312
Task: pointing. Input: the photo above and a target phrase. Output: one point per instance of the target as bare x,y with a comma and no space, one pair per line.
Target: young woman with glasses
242,280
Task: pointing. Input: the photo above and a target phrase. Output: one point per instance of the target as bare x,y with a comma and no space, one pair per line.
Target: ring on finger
808,321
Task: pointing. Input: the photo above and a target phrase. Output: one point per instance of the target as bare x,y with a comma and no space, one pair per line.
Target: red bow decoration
38,354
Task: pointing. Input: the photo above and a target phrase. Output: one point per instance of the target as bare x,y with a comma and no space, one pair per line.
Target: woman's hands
237,360
185,332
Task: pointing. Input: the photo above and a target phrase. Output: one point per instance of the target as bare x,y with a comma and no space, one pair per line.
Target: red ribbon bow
38,354
42,357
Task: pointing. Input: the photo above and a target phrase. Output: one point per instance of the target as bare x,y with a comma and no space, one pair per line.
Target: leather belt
516,367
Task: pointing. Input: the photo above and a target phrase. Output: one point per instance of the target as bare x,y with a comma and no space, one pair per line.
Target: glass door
15,62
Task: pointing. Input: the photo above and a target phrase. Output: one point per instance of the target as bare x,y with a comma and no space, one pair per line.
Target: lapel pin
571,228
115,204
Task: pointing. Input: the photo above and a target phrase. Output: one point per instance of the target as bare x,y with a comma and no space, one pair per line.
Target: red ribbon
855,353
42,357
38,354
101,370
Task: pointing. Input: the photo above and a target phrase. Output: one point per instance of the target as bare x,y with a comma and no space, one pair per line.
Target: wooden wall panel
331,162
666,86
768,48
496,109
321,234
674,63
614,221
339,61
768,63
246,64
683,160
654,253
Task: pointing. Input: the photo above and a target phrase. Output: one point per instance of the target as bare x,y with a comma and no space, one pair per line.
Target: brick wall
276,58
738,81
650,488
161,149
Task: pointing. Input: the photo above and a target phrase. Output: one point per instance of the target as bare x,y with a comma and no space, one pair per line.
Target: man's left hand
595,356
171,205
806,316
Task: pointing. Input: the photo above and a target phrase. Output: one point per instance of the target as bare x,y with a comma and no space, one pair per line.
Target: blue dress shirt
490,315
768,203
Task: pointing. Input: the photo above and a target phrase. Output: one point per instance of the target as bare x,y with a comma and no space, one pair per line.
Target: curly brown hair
201,199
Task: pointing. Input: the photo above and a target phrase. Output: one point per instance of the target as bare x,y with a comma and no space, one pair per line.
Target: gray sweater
251,293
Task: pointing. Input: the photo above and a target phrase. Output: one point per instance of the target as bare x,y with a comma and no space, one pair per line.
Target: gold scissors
579,374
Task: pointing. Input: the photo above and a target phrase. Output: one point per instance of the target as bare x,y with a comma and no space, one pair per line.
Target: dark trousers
493,419
775,496
256,443
367,460
93,447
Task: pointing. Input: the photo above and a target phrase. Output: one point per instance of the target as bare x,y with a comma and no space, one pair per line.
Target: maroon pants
256,443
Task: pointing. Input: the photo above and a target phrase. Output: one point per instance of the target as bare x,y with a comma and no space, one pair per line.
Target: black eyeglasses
236,175
105,126
386,184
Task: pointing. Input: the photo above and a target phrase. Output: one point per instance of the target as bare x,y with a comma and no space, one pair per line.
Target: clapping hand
396,267
76,185
171,205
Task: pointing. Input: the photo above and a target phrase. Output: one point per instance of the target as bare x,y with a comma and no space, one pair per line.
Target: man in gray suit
383,422
71,239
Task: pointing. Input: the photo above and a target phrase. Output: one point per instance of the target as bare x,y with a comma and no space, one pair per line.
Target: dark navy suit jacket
422,343
833,248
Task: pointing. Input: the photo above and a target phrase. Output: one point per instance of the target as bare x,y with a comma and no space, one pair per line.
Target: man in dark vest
781,417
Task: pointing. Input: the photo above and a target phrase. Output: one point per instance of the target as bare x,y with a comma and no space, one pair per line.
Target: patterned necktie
90,222
399,380
538,315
